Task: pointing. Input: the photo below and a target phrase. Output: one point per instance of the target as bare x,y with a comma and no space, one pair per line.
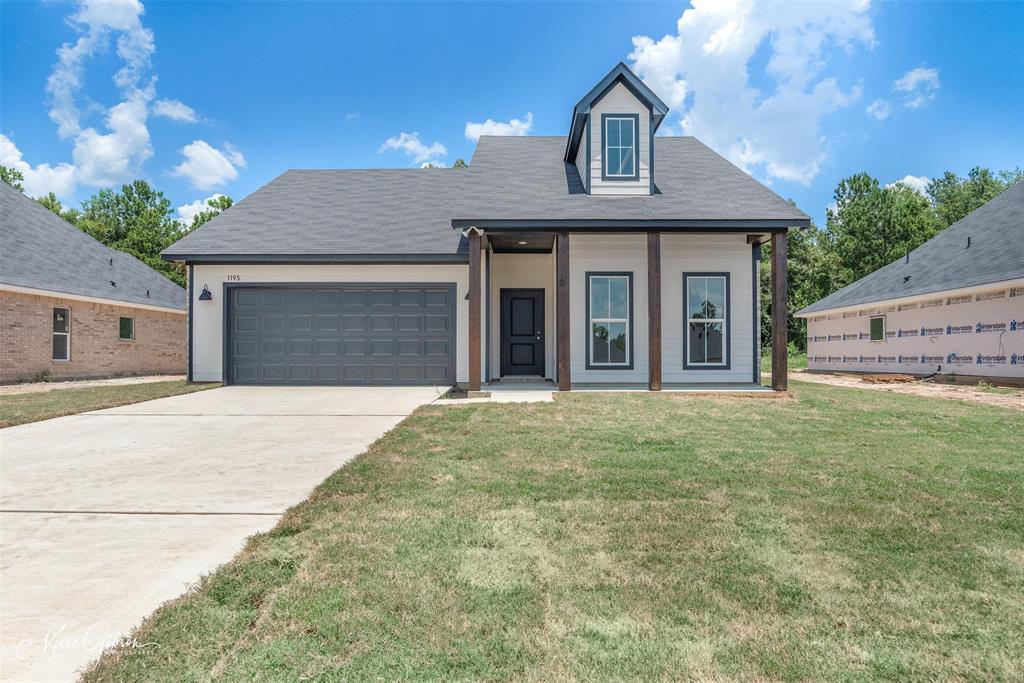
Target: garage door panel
341,334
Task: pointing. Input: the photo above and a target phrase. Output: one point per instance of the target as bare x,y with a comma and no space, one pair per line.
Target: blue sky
217,97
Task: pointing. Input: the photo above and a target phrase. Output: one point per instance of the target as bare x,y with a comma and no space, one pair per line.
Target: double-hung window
62,334
707,320
620,146
610,320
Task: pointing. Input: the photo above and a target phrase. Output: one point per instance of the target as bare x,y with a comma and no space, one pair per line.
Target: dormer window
620,133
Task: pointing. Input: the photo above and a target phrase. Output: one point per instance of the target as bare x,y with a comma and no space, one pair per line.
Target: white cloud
918,183
186,212
353,117
105,158
491,127
918,87
880,109
708,62
175,110
115,151
206,166
41,179
410,144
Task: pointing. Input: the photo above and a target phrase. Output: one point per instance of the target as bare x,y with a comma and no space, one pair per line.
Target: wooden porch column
474,309
562,305
780,337
654,311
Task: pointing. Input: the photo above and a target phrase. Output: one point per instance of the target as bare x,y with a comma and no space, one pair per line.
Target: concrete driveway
106,515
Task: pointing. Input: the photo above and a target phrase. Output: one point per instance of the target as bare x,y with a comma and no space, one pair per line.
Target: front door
522,332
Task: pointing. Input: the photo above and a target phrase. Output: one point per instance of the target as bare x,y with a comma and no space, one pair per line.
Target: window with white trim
877,328
62,334
620,133
609,318
707,321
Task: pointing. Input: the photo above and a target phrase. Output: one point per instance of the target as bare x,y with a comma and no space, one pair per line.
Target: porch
530,315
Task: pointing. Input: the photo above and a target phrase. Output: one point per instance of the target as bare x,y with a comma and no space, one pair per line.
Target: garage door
341,334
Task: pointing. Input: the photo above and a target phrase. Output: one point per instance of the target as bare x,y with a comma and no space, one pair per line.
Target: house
609,256
72,308
953,306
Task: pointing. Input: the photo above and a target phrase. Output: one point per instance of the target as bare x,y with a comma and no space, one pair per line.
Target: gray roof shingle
382,212
335,212
996,254
40,250
525,178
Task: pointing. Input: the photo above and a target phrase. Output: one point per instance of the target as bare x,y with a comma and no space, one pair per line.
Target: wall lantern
205,294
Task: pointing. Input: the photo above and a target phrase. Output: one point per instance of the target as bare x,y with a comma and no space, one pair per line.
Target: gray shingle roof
335,212
40,250
525,178
944,262
382,212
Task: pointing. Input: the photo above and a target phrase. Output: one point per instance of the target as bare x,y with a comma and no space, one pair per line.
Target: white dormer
611,141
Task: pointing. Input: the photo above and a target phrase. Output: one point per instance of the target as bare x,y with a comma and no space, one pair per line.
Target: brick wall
26,340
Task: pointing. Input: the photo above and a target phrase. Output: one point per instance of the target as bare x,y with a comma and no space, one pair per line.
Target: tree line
137,219
870,225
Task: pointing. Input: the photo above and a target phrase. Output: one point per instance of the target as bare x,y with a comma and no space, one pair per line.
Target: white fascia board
1017,282
91,299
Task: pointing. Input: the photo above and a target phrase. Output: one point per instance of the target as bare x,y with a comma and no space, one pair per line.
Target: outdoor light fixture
522,243
205,294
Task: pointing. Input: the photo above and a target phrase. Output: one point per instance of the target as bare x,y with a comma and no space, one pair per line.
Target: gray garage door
341,334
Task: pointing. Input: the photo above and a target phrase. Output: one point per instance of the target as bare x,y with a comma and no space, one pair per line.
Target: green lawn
16,409
841,535
797,360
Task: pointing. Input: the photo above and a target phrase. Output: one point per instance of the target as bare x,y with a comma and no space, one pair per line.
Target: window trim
727,321
877,317
605,176
588,339
125,317
67,358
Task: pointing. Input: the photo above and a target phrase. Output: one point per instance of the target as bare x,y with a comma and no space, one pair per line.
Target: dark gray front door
522,332
341,334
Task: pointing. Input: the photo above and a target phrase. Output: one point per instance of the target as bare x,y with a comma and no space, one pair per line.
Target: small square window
877,328
126,329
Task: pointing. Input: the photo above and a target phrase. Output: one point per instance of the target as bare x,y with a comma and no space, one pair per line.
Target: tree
955,197
460,163
51,202
137,220
814,272
12,177
218,205
871,226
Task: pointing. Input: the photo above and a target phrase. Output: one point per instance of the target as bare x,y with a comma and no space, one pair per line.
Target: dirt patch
956,392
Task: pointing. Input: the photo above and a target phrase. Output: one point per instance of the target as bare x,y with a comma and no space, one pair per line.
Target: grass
797,360
16,409
841,535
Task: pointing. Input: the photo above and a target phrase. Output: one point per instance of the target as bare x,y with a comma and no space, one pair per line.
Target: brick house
74,308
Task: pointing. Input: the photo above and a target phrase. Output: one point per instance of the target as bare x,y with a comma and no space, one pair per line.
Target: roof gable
620,74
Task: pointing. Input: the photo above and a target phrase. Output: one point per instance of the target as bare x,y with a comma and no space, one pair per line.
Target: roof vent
906,279
147,293
111,261
968,241
113,284
908,258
